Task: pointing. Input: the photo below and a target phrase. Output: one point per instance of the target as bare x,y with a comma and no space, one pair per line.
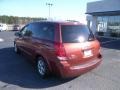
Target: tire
16,50
42,68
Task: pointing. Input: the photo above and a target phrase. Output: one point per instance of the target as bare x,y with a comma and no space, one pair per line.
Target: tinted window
76,33
43,30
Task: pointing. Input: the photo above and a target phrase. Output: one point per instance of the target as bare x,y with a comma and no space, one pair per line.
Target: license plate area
87,53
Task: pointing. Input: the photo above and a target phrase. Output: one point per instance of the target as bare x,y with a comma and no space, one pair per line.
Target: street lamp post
49,5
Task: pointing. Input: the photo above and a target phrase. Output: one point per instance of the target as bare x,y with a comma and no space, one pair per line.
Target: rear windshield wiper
91,37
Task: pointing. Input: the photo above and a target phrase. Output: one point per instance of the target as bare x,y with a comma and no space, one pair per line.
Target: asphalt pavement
17,73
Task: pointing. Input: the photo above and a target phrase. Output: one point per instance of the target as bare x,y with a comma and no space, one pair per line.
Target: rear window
76,33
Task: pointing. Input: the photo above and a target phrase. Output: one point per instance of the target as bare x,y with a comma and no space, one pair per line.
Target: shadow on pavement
15,70
109,43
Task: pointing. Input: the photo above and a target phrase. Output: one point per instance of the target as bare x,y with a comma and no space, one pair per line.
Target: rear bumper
67,71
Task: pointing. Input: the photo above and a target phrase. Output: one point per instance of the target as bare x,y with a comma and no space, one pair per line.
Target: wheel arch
45,59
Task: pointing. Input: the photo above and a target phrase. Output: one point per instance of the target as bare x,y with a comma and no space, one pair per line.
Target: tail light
60,51
99,55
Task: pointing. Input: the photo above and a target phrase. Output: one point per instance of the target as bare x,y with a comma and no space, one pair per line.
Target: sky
60,10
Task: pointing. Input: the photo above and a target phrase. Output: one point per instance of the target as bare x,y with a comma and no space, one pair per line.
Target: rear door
79,43
43,38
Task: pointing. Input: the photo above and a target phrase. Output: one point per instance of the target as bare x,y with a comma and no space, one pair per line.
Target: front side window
27,31
76,33
23,31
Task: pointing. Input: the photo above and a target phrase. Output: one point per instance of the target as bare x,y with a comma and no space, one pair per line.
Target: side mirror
18,34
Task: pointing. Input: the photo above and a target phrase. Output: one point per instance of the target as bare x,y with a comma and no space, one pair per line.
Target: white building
104,17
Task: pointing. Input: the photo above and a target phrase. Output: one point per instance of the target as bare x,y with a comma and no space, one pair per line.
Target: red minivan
67,49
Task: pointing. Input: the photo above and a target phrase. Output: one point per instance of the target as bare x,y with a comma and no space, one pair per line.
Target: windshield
76,33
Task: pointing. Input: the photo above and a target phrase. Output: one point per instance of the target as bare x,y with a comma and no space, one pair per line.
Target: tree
18,20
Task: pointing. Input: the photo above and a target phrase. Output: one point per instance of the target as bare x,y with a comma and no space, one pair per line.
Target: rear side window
43,30
76,33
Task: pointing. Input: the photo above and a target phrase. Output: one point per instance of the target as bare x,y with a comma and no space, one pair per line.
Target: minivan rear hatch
79,43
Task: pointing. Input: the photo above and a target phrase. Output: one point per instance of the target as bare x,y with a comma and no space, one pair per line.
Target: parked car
16,27
67,49
3,27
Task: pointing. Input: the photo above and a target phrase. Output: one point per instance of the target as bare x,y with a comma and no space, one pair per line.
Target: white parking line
110,41
1,40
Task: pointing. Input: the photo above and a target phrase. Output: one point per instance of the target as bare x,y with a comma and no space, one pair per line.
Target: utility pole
49,6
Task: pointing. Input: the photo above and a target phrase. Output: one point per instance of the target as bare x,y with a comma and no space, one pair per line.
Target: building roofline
104,13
